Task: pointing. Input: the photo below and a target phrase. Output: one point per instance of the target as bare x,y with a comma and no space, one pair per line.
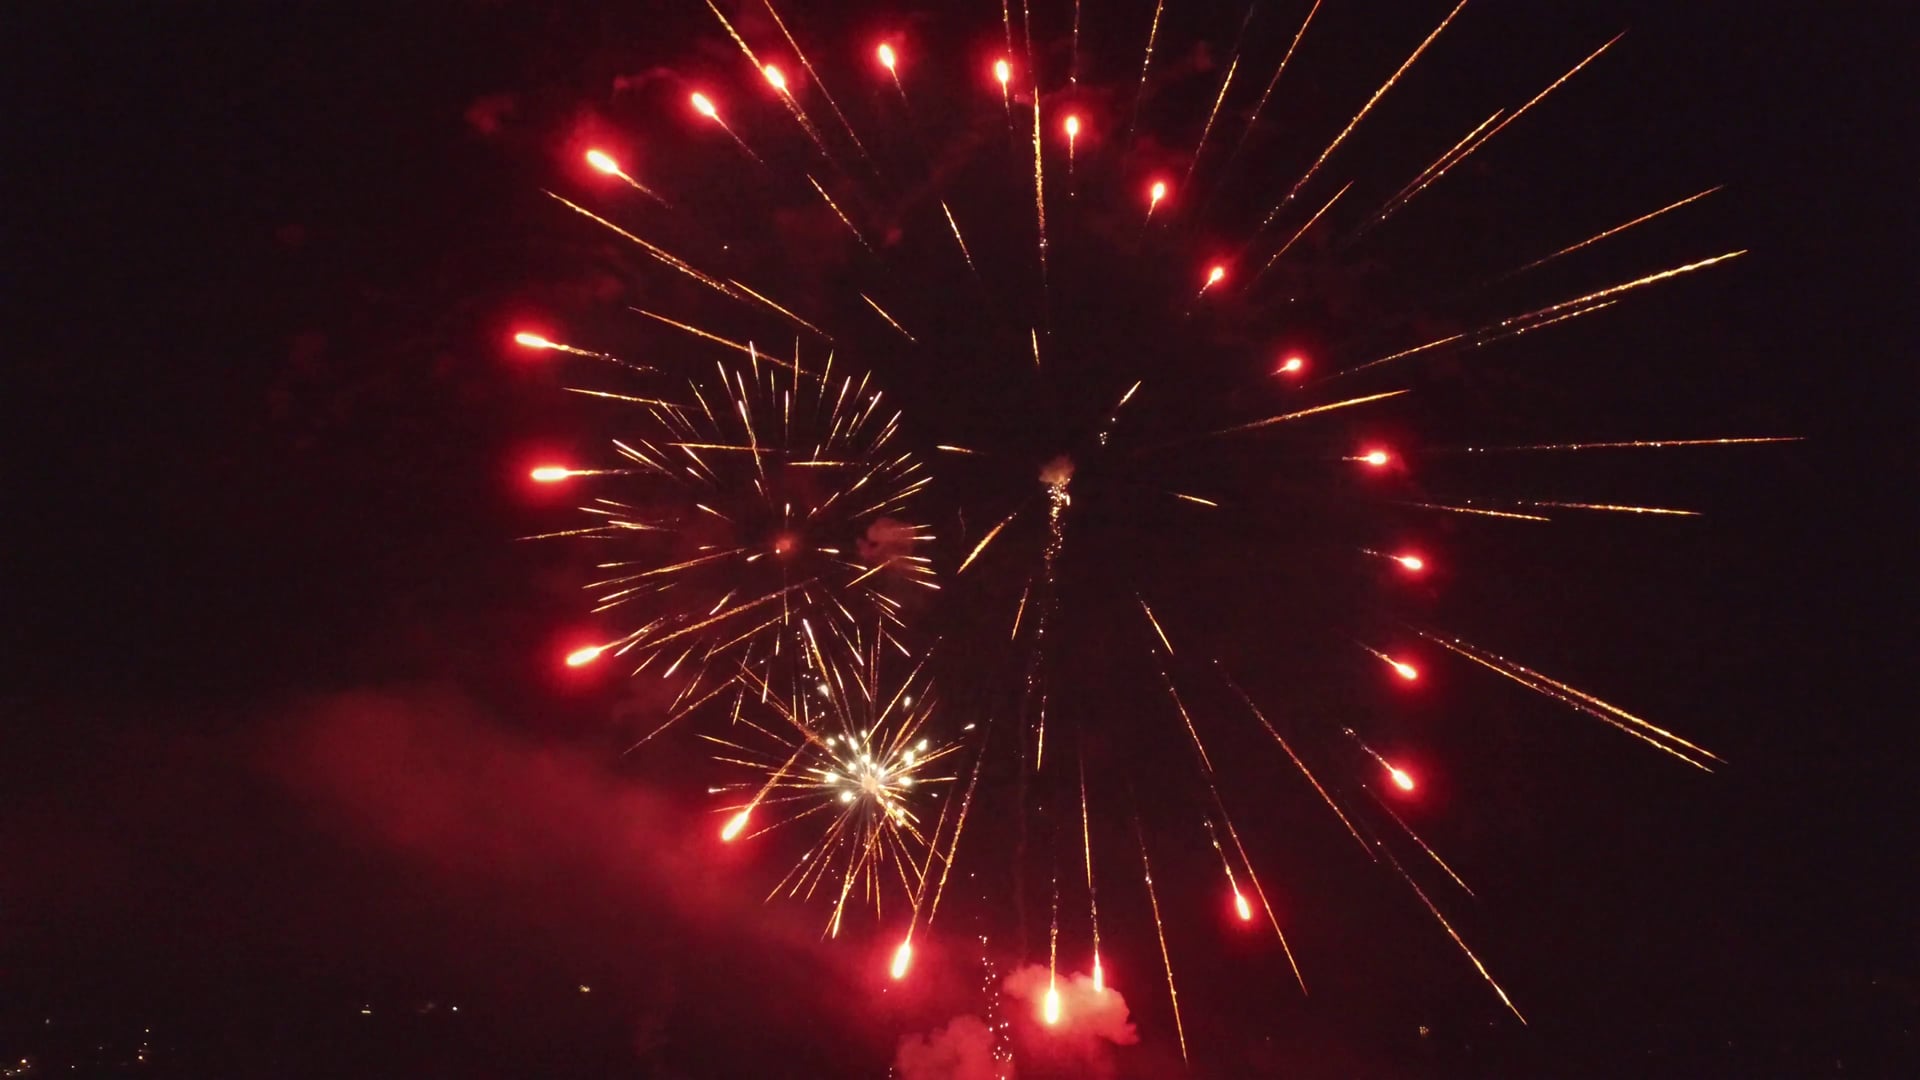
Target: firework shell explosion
993,366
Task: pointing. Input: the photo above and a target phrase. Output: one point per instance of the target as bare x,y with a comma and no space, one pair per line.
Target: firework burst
1140,453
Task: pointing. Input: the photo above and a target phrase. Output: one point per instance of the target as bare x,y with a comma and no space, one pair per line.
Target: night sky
292,783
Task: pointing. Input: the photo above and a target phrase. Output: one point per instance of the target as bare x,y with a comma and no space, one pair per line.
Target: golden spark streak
1283,418
1615,290
1020,610
1457,940
959,823
1617,229
1254,116
1439,164
1156,624
1261,892
1580,700
1431,854
1611,507
890,319
797,320
1476,510
958,239
1153,31
984,541
1039,199
1086,846
1166,960
837,212
1034,333
1357,117
1299,764
1631,444
1302,231
1194,499
808,64
1207,128
1420,185
955,449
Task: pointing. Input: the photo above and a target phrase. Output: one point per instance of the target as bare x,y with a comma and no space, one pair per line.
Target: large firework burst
1156,419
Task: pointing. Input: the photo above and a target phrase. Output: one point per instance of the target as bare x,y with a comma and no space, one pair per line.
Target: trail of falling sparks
1492,331
1166,960
959,823
1302,231
1405,197
1086,847
1457,940
984,541
1153,31
1057,475
841,214
1644,730
1440,164
1416,838
1508,514
731,290
1039,198
1610,507
1254,116
815,76
958,239
1625,444
891,321
1361,115
1302,413
1605,233
1207,128
1299,764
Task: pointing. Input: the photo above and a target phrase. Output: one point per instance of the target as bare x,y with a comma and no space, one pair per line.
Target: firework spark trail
1539,316
839,213
778,82
815,76
1452,933
1627,444
1299,764
984,541
1057,475
599,160
1416,838
1039,197
1220,805
1254,116
1073,49
1302,413
1609,507
704,105
1440,164
961,240
1645,730
1207,129
1605,233
1166,960
731,289
959,823
1153,31
1406,196
1302,231
1357,117
1086,847
891,321
1482,512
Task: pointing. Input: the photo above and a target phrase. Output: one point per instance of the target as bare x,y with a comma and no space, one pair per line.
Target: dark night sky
279,735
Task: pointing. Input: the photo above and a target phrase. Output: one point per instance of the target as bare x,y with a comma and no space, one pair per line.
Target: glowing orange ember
1050,1006
1002,71
734,825
1293,365
1411,562
1240,905
1400,778
601,161
774,77
583,657
902,956
550,474
1376,458
532,341
887,58
704,106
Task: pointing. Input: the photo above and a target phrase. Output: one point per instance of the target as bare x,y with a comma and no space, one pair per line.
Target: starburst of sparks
761,529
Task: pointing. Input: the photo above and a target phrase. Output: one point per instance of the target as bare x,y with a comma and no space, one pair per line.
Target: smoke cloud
963,1050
